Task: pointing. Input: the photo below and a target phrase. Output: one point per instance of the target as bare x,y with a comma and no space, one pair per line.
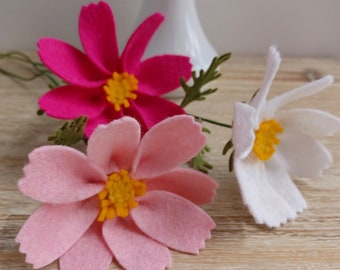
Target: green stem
212,121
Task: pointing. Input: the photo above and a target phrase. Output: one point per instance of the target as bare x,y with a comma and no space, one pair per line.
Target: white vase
181,33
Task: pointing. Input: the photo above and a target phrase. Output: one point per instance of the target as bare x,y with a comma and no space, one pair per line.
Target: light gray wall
298,27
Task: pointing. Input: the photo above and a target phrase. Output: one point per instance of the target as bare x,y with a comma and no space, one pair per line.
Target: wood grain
312,241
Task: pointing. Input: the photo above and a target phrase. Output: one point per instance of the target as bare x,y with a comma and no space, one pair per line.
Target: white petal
266,204
303,156
243,129
273,63
306,90
313,122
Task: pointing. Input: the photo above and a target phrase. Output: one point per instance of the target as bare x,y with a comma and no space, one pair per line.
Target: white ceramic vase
181,33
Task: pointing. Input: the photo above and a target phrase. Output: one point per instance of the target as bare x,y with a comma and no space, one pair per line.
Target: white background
299,27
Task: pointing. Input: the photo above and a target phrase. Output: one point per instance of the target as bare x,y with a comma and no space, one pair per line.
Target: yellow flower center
119,195
120,88
265,139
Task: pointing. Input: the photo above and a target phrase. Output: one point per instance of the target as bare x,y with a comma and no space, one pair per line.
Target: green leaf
194,92
199,163
71,132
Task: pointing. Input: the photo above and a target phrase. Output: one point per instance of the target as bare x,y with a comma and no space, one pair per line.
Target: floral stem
202,119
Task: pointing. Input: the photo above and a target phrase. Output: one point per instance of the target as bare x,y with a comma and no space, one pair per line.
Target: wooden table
312,241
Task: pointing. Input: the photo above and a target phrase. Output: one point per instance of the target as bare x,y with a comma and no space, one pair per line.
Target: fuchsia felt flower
272,144
103,85
126,199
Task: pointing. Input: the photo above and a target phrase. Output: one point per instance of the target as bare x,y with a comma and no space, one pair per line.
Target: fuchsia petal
68,102
167,145
104,118
195,186
51,230
70,64
98,35
59,174
89,253
113,147
173,221
150,110
136,45
161,74
133,249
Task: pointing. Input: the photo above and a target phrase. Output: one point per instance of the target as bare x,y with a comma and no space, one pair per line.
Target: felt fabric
266,186
152,157
52,229
132,248
102,49
89,253
91,70
105,145
136,241
178,182
160,216
57,174
73,101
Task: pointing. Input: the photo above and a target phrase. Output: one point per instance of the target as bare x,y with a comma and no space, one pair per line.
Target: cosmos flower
273,145
104,85
127,199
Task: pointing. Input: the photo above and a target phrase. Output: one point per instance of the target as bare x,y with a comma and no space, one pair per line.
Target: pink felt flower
126,199
103,85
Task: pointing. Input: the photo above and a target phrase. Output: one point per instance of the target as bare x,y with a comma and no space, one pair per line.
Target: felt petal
244,124
306,90
167,145
195,186
90,252
136,45
161,74
273,64
173,221
133,249
113,147
59,174
150,110
265,204
70,64
98,35
52,229
303,156
312,122
70,101
104,118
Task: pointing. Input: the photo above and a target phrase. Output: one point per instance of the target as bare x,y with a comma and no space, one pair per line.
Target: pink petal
265,201
273,64
133,249
105,117
51,230
161,74
98,35
150,110
173,221
68,102
195,186
167,145
138,42
303,156
90,252
70,64
59,174
114,146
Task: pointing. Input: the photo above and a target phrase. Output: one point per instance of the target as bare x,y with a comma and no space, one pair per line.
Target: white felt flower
273,145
